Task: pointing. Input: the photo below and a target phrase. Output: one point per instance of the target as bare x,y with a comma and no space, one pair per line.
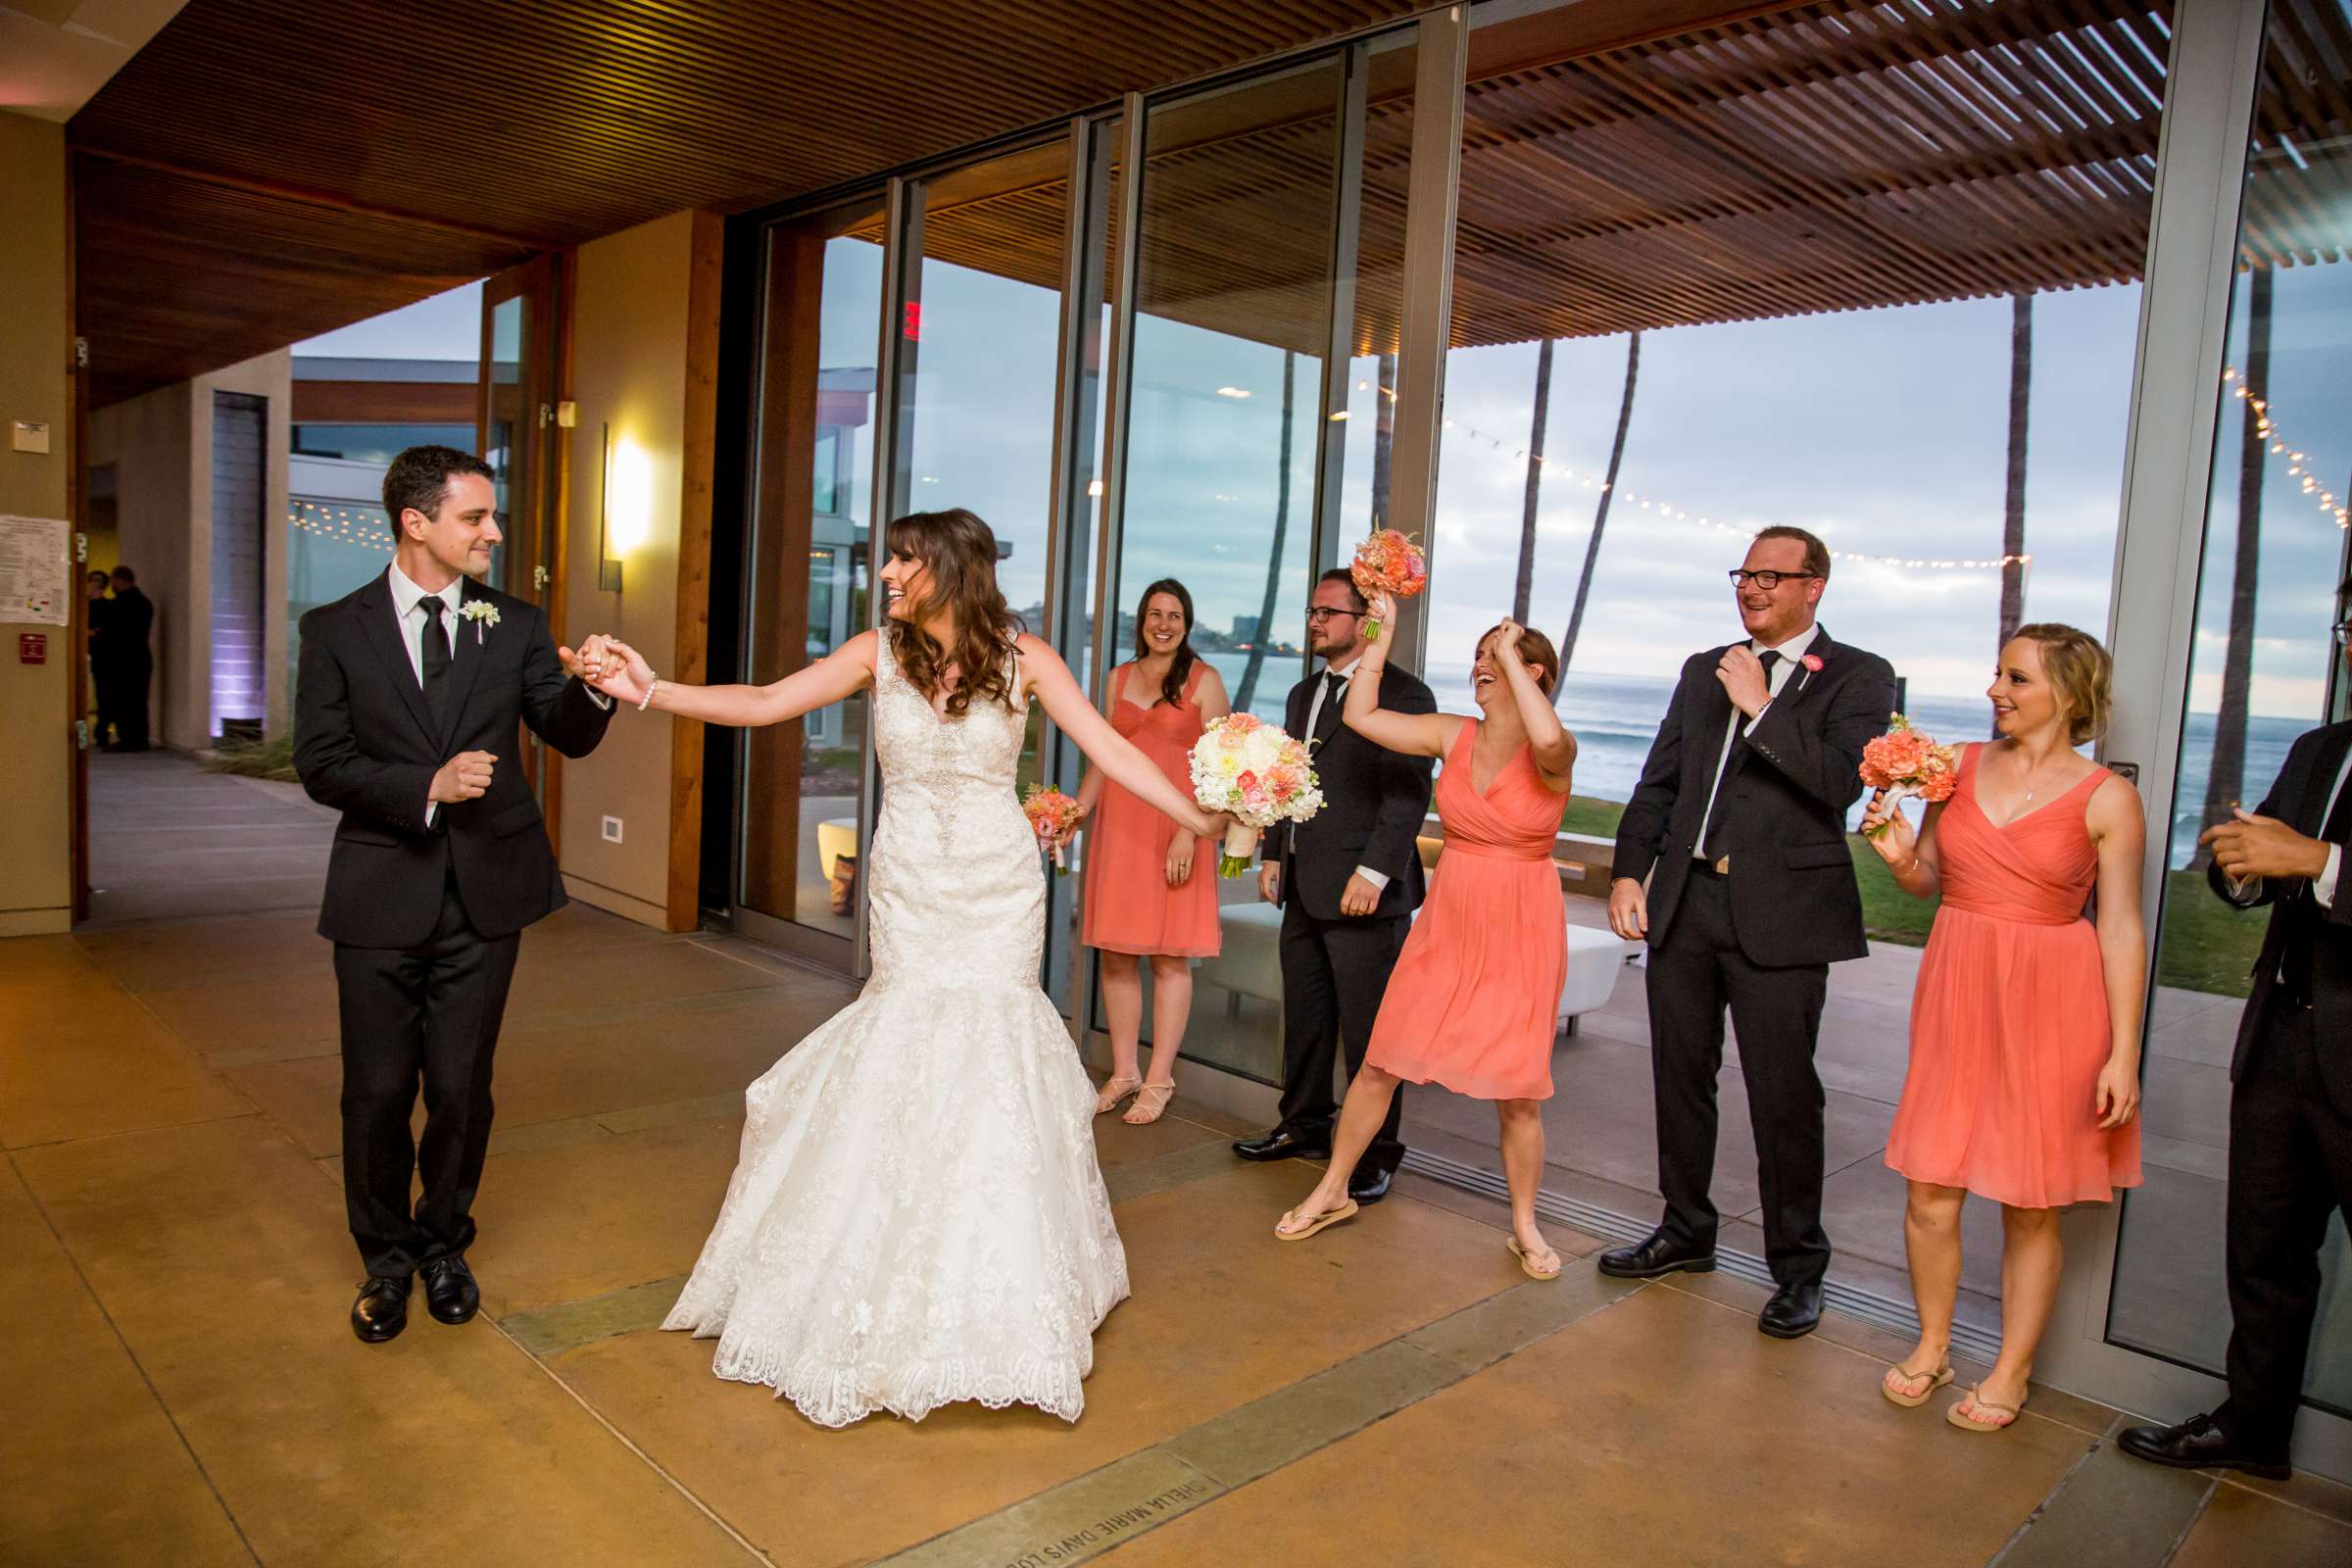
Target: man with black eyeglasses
2291,1100
1347,880
1732,864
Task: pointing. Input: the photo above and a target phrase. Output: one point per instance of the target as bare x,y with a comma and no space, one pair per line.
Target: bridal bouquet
1389,562
1906,761
1252,771
1053,818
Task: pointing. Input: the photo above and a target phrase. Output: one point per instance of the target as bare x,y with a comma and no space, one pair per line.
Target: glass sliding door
515,394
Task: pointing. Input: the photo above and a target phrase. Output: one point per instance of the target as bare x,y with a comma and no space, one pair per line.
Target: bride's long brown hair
961,555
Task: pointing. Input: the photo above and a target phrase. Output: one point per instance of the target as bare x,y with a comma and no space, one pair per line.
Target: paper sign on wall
37,572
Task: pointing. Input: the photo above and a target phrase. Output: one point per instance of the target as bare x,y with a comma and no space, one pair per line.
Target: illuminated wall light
1231,392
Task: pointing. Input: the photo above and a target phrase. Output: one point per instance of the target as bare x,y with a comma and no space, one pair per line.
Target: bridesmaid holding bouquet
2025,1026
1474,1000
1151,890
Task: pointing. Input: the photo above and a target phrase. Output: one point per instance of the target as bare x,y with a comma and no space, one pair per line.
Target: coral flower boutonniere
1812,662
483,612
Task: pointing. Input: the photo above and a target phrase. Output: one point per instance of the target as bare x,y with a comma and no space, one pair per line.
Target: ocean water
1616,717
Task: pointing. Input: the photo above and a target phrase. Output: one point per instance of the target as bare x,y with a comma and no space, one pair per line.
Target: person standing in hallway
1151,889
406,713
2024,1080
1347,880
1739,828
129,666
2290,1103
94,612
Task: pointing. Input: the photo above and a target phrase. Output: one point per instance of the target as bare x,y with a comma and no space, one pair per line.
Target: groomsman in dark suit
406,713
1738,826
2290,1105
1349,880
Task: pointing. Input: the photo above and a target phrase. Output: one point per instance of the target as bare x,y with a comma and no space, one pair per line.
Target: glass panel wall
1840,267
2263,670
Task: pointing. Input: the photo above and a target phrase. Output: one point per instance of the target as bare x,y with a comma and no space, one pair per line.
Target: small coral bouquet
1389,562
1252,771
1906,761
1053,818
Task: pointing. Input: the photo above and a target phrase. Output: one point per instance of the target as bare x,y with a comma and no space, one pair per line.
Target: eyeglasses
1317,617
2343,632
1767,581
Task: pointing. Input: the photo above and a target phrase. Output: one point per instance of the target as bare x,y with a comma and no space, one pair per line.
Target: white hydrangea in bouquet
1255,773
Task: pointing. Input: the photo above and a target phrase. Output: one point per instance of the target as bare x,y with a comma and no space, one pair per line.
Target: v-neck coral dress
2009,1024
1129,905
1474,1000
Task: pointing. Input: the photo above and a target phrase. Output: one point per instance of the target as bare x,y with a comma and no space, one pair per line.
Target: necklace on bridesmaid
2029,784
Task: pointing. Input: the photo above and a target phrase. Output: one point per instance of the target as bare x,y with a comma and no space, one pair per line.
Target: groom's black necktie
1713,845
436,654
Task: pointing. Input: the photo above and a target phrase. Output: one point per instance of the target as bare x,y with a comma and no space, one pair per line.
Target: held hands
2249,845
1743,681
463,777
615,668
1899,846
2117,1099
1629,909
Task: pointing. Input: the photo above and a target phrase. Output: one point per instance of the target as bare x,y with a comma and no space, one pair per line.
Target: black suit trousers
1695,973
2290,1168
1334,974
427,1015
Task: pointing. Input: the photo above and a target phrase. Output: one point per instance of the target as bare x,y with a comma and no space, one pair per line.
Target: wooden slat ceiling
268,170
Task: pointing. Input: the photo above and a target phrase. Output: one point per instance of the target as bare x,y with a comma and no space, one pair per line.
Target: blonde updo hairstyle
2082,675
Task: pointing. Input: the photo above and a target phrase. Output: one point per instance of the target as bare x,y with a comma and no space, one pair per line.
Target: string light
2265,427
341,526
1660,507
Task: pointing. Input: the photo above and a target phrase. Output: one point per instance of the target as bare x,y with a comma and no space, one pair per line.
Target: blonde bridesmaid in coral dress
2025,1023
1475,996
1151,893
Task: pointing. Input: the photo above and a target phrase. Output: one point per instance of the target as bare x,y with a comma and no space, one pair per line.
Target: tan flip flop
1912,1401
1526,1260
1323,1221
2010,1413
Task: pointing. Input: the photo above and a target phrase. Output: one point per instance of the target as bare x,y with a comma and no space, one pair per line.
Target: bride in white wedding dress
916,1216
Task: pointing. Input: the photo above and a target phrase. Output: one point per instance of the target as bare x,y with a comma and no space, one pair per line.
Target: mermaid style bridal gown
916,1216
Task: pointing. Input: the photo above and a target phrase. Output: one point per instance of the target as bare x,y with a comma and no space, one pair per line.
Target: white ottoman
1594,958
835,837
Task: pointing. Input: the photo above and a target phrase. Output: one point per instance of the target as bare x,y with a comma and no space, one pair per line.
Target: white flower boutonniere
483,612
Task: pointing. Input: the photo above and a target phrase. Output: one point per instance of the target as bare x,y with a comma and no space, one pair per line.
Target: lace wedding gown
916,1216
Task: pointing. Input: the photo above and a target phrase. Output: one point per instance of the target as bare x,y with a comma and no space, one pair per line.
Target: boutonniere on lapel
1812,663
483,612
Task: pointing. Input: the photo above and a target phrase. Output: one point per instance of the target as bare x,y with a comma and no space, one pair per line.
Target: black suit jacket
122,642
1785,793
1373,801
364,743
2301,799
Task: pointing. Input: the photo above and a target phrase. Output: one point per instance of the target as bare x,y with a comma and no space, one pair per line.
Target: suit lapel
379,625
465,658
1711,714
1801,682
2315,795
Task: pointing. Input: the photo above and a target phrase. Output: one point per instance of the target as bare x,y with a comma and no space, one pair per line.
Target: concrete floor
178,1384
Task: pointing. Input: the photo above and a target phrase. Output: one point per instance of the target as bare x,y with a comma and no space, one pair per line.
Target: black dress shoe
1369,1186
1284,1143
1653,1257
382,1309
1793,1312
2199,1443
450,1292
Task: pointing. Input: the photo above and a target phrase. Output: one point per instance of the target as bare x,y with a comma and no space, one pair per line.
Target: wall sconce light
624,519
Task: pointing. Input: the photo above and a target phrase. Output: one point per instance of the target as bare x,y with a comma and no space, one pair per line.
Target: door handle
81,734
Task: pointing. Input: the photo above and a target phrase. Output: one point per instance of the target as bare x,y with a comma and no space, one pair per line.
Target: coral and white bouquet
1389,562
1250,769
1906,761
1053,818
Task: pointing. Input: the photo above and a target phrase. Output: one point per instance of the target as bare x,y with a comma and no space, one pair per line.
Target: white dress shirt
1792,652
1314,714
408,602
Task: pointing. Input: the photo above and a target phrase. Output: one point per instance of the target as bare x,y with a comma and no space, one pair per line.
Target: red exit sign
32,647
914,321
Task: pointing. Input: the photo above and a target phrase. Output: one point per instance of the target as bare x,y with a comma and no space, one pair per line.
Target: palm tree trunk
1535,485
1281,526
2226,782
2013,521
1600,514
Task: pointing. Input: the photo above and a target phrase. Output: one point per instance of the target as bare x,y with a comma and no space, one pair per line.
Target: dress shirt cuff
430,807
597,697
2241,888
1751,727
2323,886
1379,880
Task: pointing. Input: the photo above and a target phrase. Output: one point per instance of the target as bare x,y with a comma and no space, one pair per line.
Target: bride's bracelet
650,687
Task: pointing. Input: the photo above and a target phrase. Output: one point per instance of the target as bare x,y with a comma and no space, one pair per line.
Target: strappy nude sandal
1114,1091
1529,1262
1150,1102
1912,1401
1323,1221
2007,1413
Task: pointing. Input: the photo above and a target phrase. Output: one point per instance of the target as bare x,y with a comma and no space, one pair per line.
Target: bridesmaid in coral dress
1474,1000
1151,891
2025,1026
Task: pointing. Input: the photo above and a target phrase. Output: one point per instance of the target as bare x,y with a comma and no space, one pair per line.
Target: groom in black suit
405,713
2291,1100
1349,880
1738,824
